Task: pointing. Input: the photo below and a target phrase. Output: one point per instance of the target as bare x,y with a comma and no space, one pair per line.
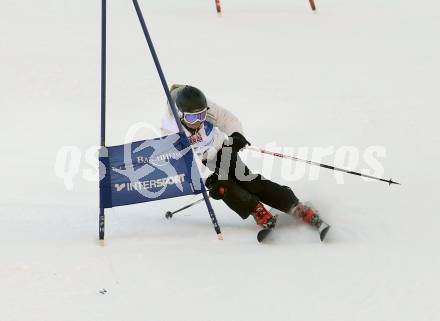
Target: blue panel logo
147,170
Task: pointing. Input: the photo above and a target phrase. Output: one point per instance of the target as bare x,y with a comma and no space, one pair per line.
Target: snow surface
356,73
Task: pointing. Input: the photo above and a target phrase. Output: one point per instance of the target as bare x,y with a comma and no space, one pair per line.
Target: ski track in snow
355,73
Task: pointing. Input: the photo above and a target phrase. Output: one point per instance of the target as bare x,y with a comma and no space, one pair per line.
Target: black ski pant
242,190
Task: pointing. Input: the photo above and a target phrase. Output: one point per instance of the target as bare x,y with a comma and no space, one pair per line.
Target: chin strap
191,130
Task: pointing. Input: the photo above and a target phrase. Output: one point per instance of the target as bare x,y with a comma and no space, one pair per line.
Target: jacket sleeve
223,119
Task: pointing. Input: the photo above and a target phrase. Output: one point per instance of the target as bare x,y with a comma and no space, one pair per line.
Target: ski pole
218,6
256,149
170,214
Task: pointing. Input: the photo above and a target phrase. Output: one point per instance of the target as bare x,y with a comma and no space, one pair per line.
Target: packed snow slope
355,73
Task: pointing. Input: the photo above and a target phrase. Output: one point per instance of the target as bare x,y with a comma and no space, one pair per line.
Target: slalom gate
148,170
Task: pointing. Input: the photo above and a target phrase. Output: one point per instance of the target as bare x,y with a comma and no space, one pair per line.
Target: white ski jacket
220,123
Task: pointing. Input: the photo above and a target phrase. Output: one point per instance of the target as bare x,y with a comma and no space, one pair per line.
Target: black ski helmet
190,99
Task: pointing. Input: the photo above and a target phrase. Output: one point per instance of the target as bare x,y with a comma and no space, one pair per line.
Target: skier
217,136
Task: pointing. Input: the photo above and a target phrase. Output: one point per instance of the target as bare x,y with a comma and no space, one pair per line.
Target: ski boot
263,217
311,216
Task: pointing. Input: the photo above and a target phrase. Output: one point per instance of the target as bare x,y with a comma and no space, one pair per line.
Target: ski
323,229
262,234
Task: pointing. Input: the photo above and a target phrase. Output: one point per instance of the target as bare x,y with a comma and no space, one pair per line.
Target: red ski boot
263,217
310,216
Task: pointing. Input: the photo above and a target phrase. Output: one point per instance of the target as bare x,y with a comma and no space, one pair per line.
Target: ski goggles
192,118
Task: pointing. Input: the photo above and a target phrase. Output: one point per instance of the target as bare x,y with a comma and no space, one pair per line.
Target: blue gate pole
103,92
174,110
